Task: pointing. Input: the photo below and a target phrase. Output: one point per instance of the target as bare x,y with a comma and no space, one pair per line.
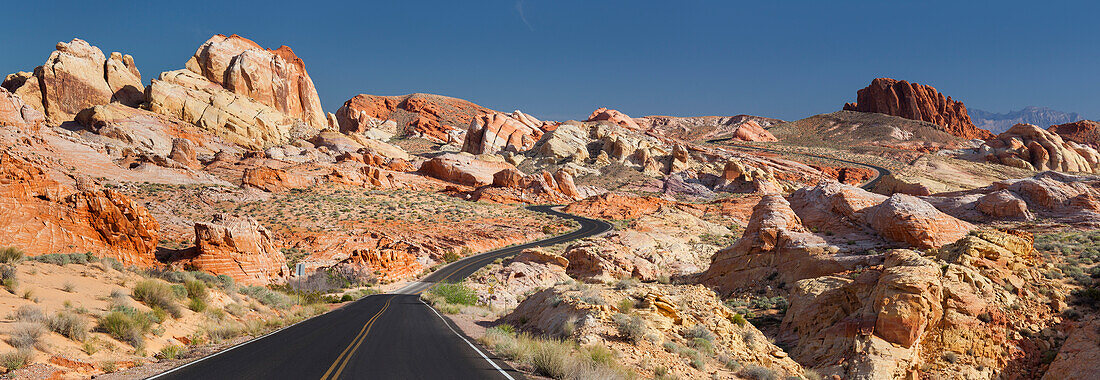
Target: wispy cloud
522,16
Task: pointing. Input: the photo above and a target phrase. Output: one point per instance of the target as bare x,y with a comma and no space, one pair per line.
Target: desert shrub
703,345
451,256
179,290
196,289
68,287
8,277
738,319
457,294
755,372
630,327
626,305
29,313
170,352
568,326
700,332
11,255
1088,297
950,357
601,354
108,366
267,296
63,259
626,283
223,331
16,359
552,359
197,305
125,324
226,283
70,325
156,294
26,335
113,264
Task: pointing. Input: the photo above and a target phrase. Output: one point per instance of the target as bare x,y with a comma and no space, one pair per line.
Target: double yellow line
345,356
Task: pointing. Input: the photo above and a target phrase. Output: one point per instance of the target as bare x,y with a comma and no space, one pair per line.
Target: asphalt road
384,336
866,186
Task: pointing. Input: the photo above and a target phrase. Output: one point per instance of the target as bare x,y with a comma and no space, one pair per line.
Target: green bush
196,289
197,305
451,257
157,294
16,359
70,325
11,255
755,372
170,352
457,294
8,277
126,324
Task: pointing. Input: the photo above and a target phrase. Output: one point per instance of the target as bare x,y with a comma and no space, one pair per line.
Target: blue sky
560,59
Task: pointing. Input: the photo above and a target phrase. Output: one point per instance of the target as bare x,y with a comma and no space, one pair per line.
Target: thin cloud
522,16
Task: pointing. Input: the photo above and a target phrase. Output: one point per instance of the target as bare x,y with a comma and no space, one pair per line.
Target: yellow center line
358,338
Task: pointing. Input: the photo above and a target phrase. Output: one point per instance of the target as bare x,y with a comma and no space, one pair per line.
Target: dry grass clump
69,324
16,359
631,327
126,324
11,255
28,313
27,335
157,294
556,359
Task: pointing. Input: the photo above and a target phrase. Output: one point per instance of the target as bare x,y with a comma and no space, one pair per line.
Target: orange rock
751,131
617,206
1029,147
496,132
1081,132
909,219
42,216
434,117
277,78
917,102
273,180
14,112
463,169
604,114
240,247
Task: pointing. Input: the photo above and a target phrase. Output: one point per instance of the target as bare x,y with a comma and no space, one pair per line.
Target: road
866,186
383,336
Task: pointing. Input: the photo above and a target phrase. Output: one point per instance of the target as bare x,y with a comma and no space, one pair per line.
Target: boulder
917,102
273,180
1004,204
434,117
183,151
908,219
463,169
750,130
240,247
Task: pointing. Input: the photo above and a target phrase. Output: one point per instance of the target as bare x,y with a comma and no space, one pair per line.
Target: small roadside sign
299,269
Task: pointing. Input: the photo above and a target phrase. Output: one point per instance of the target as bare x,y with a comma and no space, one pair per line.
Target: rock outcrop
463,169
908,219
917,102
239,247
273,180
506,285
496,132
700,128
1068,199
78,76
276,78
1079,357
14,112
613,116
43,216
434,117
1029,147
1081,132
954,313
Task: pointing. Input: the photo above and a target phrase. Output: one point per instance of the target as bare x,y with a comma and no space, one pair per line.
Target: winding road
383,336
866,186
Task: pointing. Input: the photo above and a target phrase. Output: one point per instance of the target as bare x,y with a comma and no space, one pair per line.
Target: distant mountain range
1040,116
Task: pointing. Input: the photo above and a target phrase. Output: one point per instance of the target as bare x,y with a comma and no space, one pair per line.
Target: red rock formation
463,169
604,114
908,219
434,117
847,175
239,247
273,180
1081,132
751,131
183,151
917,102
42,216
617,206
496,132
277,78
